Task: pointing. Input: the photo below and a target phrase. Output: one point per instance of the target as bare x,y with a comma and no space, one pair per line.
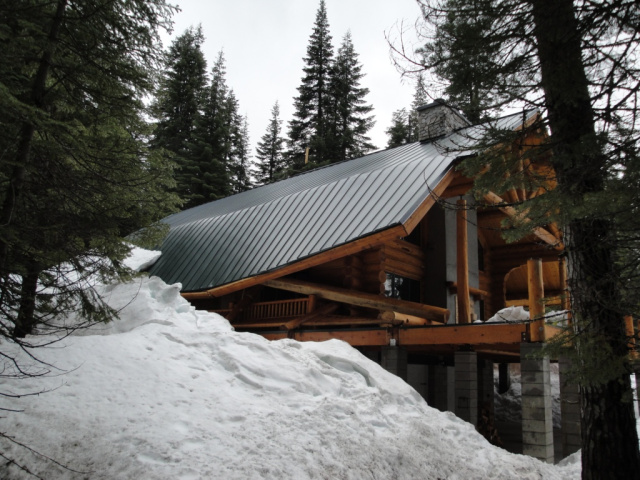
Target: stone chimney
437,120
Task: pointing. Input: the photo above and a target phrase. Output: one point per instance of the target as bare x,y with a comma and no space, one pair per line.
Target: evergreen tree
240,150
404,126
575,61
400,130
311,123
77,176
211,144
348,115
178,108
463,54
269,152
419,99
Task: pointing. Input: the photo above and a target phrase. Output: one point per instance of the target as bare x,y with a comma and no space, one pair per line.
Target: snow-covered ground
168,392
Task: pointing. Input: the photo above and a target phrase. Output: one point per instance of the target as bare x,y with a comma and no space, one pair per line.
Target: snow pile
140,259
510,314
170,392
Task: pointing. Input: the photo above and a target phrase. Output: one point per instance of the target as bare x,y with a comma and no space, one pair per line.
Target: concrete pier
537,421
466,386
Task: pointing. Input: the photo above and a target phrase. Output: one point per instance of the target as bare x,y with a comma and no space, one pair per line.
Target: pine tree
576,62
463,54
77,176
311,123
211,142
419,99
348,116
178,108
400,130
239,157
404,126
269,152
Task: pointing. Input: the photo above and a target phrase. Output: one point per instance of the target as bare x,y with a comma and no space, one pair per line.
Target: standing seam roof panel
280,223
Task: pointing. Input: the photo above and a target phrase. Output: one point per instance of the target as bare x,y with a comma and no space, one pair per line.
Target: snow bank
510,314
170,392
141,259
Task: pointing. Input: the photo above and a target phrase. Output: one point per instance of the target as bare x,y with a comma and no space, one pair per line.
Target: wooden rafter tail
360,299
404,319
496,200
555,230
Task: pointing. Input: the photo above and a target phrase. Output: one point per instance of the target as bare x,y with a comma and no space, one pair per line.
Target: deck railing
278,309
295,307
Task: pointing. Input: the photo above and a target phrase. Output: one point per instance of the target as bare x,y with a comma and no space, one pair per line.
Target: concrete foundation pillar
440,387
569,410
466,386
537,421
504,378
485,386
394,360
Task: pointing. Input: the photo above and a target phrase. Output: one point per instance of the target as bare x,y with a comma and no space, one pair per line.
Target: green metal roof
271,226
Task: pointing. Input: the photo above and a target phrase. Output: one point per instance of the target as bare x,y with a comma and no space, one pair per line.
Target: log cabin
388,253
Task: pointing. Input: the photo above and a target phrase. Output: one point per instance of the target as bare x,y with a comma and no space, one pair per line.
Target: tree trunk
609,437
26,320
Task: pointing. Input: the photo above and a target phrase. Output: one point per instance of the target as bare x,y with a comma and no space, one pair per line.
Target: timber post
536,296
462,263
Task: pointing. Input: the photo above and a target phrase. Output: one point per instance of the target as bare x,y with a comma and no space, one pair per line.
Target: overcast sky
265,42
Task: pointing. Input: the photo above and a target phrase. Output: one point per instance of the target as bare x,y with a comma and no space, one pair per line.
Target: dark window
480,257
402,288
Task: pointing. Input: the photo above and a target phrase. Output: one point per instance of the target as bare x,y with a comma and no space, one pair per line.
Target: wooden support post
462,261
630,334
536,288
311,303
536,294
564,285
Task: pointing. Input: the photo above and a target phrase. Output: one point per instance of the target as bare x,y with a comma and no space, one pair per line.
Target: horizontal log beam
473,334
453,287
360,299
404,319
356,338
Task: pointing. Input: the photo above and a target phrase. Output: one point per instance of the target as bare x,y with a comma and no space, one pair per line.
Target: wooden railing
295,307
278,309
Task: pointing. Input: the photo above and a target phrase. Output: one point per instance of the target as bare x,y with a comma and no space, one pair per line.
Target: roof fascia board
419,213
359,245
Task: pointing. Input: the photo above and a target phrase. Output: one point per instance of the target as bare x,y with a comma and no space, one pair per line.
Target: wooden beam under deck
356,338
472,334
481,337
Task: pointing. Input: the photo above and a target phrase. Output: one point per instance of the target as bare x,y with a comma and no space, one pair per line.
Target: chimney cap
436,103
